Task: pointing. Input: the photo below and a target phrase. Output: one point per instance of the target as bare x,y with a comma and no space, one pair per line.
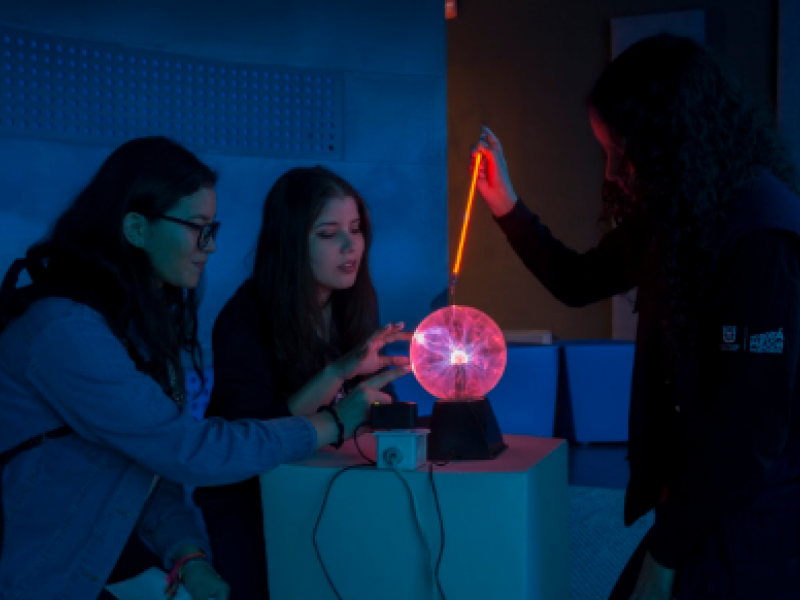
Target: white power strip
406,450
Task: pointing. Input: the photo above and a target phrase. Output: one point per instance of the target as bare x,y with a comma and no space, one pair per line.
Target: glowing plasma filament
459,357
458,352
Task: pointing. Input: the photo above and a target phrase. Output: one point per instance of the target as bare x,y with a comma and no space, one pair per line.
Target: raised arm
576,279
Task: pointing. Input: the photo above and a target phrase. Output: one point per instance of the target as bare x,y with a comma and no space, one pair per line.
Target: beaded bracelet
330,409
175,577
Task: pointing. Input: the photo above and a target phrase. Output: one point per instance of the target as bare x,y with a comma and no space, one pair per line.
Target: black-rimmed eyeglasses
206,233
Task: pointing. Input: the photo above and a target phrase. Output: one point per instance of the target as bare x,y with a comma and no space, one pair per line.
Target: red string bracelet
176,574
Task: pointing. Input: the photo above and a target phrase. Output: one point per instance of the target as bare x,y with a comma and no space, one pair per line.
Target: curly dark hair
692,137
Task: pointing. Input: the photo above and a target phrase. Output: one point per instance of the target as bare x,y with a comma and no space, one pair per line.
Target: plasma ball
459,357
458,352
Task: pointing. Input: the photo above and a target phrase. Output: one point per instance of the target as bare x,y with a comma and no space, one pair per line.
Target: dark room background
408,94
524,68
373,74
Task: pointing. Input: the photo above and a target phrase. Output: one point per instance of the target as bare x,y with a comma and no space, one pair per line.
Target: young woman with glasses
95,435
296,337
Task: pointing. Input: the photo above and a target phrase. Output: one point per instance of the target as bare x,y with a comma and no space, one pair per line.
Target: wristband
175,577
330,409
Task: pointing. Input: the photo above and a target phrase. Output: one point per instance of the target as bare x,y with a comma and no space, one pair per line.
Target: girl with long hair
703,197
97,439
294,339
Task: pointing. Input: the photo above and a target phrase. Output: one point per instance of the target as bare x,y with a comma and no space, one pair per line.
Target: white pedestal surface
505,520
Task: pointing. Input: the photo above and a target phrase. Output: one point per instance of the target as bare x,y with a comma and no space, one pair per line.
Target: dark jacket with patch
731,440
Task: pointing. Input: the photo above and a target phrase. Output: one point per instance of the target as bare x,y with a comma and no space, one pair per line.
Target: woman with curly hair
704,201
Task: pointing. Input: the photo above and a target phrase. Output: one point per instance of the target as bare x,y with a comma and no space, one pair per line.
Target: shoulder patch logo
729,334
770,342
729,339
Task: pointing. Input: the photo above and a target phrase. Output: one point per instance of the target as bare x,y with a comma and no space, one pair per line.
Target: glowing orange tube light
464,227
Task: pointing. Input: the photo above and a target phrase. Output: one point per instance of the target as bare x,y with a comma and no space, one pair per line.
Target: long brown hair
290,315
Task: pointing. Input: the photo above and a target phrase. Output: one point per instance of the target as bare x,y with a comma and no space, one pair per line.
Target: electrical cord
441,527
418,522
355,441
414,507
319,520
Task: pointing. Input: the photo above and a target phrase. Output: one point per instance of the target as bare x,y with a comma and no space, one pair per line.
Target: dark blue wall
389,61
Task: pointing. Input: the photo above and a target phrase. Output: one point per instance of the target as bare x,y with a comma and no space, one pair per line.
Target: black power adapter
396,415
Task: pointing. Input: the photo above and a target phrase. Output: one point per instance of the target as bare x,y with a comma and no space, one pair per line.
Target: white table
506,530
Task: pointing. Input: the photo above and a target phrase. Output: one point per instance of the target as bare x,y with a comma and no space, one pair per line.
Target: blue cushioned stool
594,390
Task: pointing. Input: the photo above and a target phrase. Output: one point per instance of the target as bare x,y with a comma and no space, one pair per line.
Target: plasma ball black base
464,429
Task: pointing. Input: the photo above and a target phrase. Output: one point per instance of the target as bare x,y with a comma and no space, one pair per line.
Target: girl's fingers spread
392,335
381,379
381,333
394,361
398,336
376,397
378,334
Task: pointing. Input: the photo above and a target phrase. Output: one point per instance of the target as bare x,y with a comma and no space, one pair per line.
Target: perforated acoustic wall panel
64,89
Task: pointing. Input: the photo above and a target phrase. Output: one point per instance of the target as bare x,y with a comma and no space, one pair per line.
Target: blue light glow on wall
358,87
73,90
